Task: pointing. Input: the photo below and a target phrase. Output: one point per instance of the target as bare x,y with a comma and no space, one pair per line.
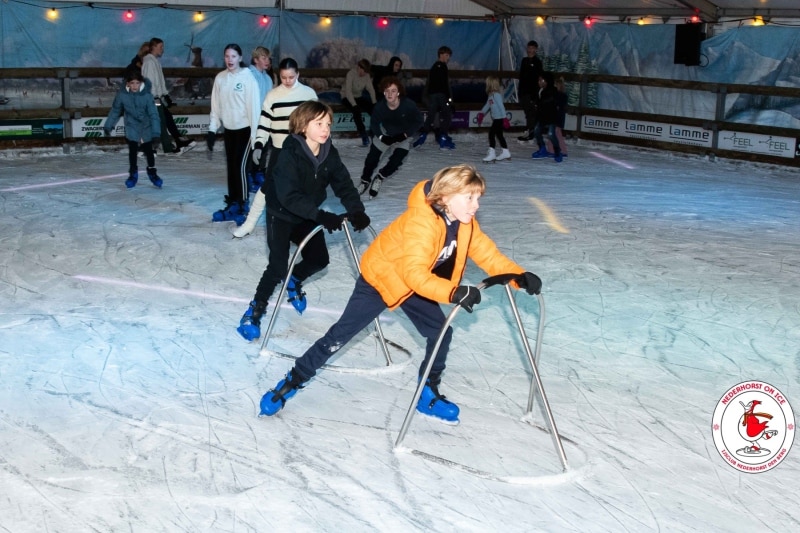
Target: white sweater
151,69
235,102
278,105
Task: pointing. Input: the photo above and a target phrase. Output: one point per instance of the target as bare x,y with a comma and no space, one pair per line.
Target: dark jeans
551,133
237,152
364,306
133,148
529,107
437,103
362,104
280,234
398,155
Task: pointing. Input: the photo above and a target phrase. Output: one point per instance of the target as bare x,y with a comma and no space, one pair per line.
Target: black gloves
331,221
466,296
530,282
211,138
167,100
359,220
391,139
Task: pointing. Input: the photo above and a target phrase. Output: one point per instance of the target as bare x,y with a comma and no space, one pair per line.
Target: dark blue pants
280,235
364,306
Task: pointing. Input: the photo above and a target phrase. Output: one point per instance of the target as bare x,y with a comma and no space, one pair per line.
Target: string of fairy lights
129,15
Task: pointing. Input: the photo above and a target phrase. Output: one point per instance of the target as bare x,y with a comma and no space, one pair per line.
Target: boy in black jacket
546,118
440,100
306,165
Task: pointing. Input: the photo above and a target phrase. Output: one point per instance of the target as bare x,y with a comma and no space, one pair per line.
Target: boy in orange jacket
416,263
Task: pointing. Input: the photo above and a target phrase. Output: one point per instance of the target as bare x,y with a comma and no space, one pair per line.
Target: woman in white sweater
274,126
235,105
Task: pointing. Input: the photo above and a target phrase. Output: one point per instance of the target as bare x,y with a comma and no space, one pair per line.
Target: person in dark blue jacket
295,188
142,125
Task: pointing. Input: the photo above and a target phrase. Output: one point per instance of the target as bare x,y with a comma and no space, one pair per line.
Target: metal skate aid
533,359
292,263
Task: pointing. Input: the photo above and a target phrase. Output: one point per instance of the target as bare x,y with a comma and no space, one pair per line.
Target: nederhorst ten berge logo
753,427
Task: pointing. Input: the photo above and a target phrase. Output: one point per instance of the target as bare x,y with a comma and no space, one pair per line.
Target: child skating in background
561,114
295,188
494,105
415,264
142,125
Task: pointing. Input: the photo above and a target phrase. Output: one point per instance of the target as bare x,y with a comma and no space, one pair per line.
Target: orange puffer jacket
400,260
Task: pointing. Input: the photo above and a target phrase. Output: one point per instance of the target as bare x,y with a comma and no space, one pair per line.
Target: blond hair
306,113
457,179
492,85
260,51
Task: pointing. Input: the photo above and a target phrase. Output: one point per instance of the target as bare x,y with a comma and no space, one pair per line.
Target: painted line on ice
171,290
60,183
612,160
549,216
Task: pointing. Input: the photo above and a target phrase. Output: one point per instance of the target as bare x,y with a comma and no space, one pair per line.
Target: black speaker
687,44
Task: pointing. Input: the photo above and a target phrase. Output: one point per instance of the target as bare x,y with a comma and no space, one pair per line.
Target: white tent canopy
708,10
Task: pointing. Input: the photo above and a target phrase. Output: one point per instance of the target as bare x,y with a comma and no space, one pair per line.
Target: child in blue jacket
142,125
494,105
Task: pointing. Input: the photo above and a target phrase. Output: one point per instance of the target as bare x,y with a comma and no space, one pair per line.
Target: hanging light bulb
52,14
129,15
539,20
439,21
264,20
199,17
383,22
326,21
758,20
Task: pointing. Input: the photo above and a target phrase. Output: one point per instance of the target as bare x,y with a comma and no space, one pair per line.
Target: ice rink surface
129,403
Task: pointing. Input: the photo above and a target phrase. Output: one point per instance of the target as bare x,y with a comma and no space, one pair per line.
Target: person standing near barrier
296,188
273,127
546,119
440,102
357,82
530,69
151,69
378,72
141,124
416,264
394,121
235,105
260,65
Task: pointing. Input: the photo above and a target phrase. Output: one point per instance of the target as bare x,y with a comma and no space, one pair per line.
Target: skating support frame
533,359
294,259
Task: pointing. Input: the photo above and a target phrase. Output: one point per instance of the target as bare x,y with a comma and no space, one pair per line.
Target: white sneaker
505,154
491,155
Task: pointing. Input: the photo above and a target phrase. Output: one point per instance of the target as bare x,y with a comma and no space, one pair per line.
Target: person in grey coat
142,124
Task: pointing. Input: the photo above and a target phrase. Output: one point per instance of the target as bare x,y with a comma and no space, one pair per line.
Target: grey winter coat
141,116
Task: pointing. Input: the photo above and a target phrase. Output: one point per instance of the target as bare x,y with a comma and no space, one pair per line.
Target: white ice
129,403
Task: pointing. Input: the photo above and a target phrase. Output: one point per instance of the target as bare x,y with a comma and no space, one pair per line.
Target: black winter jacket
296,186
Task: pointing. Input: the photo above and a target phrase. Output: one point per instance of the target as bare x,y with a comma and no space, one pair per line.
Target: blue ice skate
446,143
541,153
132,179
420,140
154,178
234,210
250,323
296,296
274,399
433,404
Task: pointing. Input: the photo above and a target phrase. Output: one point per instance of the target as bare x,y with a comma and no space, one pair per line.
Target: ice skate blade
439,419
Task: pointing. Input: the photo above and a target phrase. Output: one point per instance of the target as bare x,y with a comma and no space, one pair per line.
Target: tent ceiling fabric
708,10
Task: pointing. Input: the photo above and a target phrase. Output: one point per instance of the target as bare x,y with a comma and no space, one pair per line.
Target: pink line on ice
170,290
59,183
612,160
